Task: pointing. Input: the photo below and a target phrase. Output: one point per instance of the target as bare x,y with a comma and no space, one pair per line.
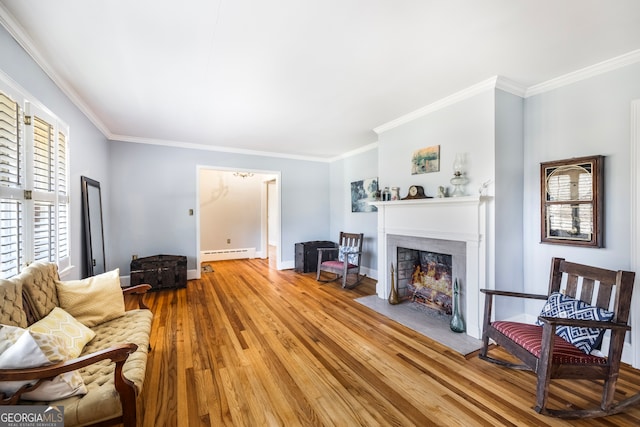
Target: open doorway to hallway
238,214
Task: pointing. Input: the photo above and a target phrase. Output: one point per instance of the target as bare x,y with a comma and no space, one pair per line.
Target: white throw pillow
22,348
93,300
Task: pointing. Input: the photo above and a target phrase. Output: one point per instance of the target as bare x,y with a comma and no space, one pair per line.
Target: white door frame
635,229
278,179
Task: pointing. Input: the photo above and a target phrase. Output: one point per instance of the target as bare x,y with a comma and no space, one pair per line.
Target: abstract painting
426,160
363,192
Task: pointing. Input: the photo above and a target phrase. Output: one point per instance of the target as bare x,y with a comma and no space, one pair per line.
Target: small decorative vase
457,323
393,295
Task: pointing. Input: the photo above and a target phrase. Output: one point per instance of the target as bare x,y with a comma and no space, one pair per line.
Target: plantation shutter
49,207
11,183
34,200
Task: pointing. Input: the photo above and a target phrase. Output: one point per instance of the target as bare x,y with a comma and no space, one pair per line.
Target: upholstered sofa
112,364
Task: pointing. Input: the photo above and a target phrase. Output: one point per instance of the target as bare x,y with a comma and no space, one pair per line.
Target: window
34,202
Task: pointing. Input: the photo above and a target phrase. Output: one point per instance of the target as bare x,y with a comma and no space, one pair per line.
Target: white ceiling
301,77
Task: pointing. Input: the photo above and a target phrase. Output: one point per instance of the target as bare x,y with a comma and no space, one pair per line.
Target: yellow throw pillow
63,325
93,300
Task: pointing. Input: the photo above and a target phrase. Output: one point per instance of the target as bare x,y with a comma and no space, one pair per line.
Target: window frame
574,201
45,209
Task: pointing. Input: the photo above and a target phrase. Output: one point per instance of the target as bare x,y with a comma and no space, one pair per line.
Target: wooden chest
160,271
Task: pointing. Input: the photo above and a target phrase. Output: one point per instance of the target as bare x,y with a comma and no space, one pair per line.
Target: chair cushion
565,307
350,252
338,265
93,300
529,337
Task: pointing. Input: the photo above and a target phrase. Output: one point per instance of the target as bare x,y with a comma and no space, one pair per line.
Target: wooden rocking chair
343,260
551,356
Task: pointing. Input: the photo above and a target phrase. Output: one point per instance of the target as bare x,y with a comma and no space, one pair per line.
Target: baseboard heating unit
224,254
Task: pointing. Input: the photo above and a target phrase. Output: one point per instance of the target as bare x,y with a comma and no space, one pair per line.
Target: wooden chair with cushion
343,260
583,302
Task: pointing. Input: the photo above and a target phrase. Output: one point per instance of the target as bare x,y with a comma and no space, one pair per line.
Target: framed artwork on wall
425,160
363,192
572,201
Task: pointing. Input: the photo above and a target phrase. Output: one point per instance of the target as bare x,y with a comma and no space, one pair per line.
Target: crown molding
509,86
218,148
496,82
355,152
585,73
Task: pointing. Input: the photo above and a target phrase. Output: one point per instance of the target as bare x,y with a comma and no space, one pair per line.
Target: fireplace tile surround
455,226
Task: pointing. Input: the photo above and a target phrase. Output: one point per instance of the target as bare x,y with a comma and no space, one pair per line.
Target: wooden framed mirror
572,201
93,228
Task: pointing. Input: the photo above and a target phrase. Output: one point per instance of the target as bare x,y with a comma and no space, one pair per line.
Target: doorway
238,214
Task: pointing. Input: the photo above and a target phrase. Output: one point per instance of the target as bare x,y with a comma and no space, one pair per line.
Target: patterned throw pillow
565,307
22,348
351,252
63,325
93,300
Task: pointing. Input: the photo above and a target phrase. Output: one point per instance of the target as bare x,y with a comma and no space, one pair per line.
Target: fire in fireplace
427,277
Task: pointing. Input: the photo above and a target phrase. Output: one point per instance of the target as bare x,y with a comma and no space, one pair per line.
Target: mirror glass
571,198
93,230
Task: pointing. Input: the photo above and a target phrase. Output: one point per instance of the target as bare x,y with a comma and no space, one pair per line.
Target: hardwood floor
251,346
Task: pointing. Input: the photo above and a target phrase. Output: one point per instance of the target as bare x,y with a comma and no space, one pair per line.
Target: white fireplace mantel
460,219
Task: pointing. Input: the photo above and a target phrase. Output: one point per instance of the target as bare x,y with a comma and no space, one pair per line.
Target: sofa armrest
140,291
117,354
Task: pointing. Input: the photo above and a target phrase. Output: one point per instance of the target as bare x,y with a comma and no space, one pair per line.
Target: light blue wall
507,226
464,127
230,210
88,150
153,187
343,173
585,118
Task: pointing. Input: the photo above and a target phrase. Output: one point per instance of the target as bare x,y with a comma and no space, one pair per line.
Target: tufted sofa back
39,288
11,307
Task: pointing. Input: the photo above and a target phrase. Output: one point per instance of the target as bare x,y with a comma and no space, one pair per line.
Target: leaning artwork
426,160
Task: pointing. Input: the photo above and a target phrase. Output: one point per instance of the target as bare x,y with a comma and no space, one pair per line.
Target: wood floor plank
247,345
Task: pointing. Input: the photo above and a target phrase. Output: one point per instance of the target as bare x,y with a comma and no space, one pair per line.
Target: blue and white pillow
565,307
351,253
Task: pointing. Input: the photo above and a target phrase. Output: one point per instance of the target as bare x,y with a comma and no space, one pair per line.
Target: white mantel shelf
435,201
461,219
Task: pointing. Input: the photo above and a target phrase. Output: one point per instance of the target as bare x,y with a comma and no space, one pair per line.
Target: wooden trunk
160,271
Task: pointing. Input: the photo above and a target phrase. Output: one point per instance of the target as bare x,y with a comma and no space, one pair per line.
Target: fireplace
426,278
453,227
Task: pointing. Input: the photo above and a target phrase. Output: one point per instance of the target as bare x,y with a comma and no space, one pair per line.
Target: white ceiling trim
499,82
585,73
205,147
469,92
360,150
